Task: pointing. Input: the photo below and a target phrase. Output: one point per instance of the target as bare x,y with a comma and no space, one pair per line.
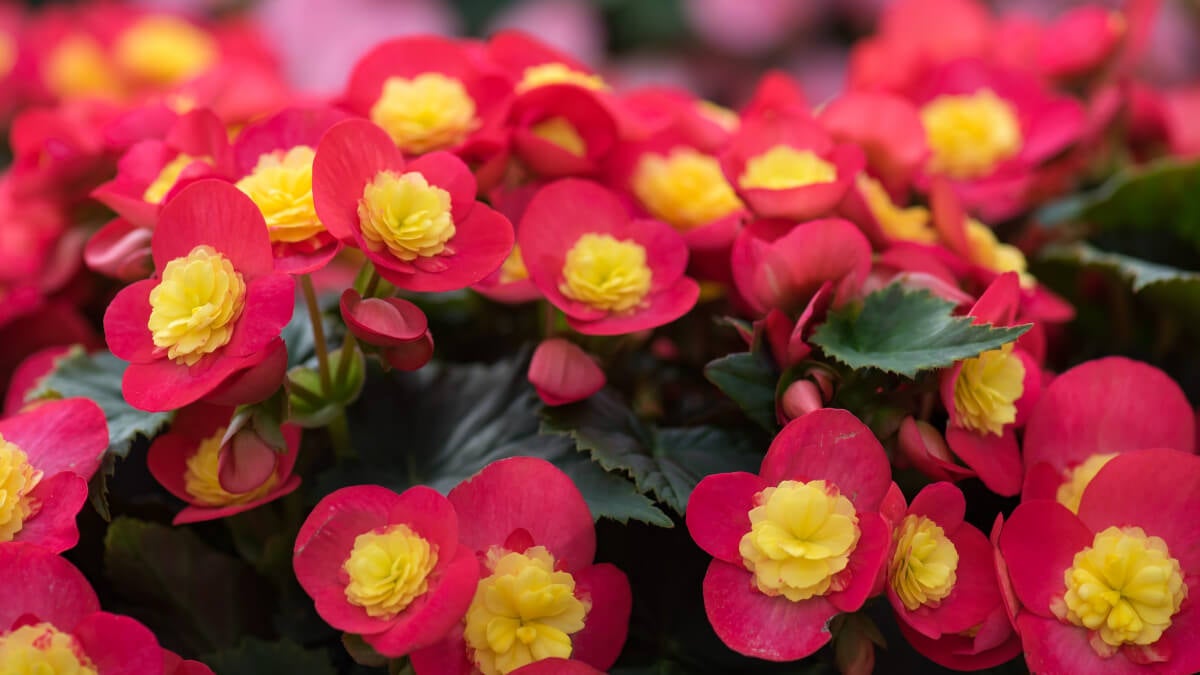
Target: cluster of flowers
513,170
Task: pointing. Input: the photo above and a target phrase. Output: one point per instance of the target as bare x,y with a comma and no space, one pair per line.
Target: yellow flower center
784,167
17,480
388,570
428,112
406,215
40,649
560,132
281,186
987,251
905,224
606,273
685,188
970,134
165,50
525,611
194,308
924,563
79,68
558,73
513,268
1077,479
202,478
1125,586
157,191
801,537
8,54
987,390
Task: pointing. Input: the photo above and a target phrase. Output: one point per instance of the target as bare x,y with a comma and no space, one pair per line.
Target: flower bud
245,462
563,373
801,398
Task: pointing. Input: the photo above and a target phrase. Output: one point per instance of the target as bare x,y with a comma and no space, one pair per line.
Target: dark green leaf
750,381
905,332
1162,195
665,462
194,598
98,377
443,423
1171,288
257,657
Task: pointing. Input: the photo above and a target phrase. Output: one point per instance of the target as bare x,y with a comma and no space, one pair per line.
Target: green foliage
1159,196
1175,288
256,657
750,381
443,423
664,462
905,332
98,377
194,598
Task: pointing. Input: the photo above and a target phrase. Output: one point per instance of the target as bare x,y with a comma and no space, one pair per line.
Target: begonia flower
387,566
214,308
418,221
539,594
797,543
609,273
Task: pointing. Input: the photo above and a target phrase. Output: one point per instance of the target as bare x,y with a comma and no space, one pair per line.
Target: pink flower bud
563,373
801,398
120,250
245,462
926,449
383,322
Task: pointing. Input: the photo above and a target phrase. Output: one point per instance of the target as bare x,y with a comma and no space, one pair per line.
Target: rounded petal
557,667
531,494
607,622
53,526
119,645
214,213
1157,490
452,175
126,323
758,625
39,583
268,307
65,435
383,322
995,459
1039,542
718,512
975,595
1108,405
348,157
867,563
288,128
833,445
943,503
663,308
1052,646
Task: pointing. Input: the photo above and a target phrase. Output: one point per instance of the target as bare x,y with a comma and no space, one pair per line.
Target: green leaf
1171,287
443,423
905,332
256,657
750,381
98,377
1161,195
195,599
664,462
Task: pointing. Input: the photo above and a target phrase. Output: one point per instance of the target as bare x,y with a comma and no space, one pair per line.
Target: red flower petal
267,308
758,625
833,445
348,157
214,213
385,322
118,645
718,513
1039,542
299,125
557,667
943,503
887,127
126,323
1108,405
438,612
607,622
664,307
867,568
43,585
995,459
1157,490
531,494
1052,646
53,526
975,594
66,435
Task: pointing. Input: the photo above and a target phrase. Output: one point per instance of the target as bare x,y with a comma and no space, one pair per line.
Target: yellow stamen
904,224
606,273
558,73
987,251
17,480
987,390
41,649
524,611
281,186
388,570
406,215
196,305
801,538
429,112
513,268
1077,479
784,167
924,563
164,50
685,188
970,134
157,191
79,68
560,132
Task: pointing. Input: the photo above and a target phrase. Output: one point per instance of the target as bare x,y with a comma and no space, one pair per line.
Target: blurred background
716,48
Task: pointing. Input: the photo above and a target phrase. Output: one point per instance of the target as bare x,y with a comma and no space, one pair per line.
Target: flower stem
318,328
372,283
345,355
339,432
